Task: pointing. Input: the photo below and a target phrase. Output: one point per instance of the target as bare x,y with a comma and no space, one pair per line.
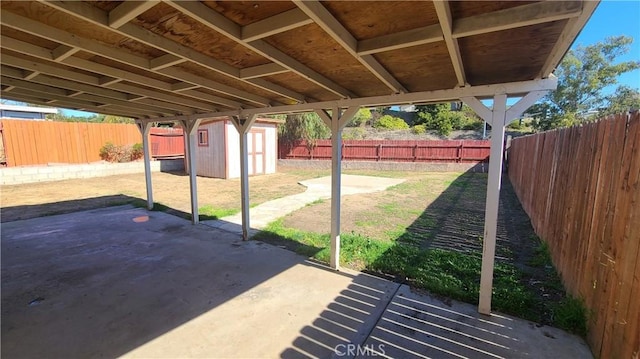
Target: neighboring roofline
28,109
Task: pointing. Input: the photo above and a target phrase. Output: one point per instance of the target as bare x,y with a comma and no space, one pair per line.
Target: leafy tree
582,75
361,117
624,99
441,118
115,119
305,126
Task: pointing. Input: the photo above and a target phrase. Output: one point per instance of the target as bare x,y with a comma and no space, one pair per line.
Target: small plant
357,133
114,153
137,151
391,123
419,129
571,315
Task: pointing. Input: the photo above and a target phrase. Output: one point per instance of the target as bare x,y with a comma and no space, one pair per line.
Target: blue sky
614,18
611,18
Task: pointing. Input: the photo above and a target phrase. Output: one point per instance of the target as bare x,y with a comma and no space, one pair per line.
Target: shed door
256,146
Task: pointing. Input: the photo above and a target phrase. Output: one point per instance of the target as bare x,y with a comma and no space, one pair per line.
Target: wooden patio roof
148,59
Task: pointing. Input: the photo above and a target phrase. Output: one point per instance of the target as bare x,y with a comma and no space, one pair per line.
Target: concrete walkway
122,281
317,188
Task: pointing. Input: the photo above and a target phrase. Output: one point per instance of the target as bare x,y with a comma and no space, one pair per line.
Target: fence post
379,154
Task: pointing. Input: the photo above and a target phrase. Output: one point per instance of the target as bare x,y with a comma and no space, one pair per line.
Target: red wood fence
393,150
166,142
581,189
41,142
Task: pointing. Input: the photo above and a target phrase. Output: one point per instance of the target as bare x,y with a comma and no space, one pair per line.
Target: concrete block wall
388,166
32,174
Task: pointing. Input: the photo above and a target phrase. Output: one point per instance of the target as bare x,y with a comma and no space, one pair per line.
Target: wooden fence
393,150
166,142
581,189
41,142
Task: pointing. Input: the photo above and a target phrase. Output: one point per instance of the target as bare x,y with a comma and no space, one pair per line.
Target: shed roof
184,58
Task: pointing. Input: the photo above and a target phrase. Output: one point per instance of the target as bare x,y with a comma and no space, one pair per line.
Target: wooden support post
336,122
190,136
243,126
491,208
499,117
145,128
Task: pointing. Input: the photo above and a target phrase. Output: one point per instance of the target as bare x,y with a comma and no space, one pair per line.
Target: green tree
624,99
441,118
582,75
361,117
117,119
303,127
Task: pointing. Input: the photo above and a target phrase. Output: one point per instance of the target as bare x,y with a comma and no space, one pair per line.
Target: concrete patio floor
122,281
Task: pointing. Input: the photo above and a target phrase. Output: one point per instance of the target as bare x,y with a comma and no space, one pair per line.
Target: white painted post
185,136
243,126
498,118
336,173
336,123
145,128
493,198
190,131
244,185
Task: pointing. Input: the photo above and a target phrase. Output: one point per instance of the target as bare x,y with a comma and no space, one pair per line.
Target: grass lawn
427,232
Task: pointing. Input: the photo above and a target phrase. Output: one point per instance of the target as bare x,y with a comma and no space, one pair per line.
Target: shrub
419,129
360,119
515,125
137,151
391,123
114,153
357,133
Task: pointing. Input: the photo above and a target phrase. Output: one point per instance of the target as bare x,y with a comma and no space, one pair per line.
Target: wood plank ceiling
164,59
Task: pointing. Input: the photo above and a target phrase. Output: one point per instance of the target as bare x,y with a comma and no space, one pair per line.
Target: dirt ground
169,189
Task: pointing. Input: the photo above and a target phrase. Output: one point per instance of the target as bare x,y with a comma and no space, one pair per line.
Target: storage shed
218,148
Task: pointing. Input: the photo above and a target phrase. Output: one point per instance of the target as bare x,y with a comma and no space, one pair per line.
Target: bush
419,129
357,133
391,123
360,119
137,151
515,125
114,153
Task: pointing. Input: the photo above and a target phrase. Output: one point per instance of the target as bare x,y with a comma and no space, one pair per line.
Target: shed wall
211,158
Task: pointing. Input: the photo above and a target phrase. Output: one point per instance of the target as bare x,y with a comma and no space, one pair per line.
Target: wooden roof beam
99,81
28,75
446,24
53,34
113,74
165,61
520,16
128,11
98,17
571,30
228,28
512,89
182,86
72,105
61,91
62,52
262,70
399,40
276,24
323,18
